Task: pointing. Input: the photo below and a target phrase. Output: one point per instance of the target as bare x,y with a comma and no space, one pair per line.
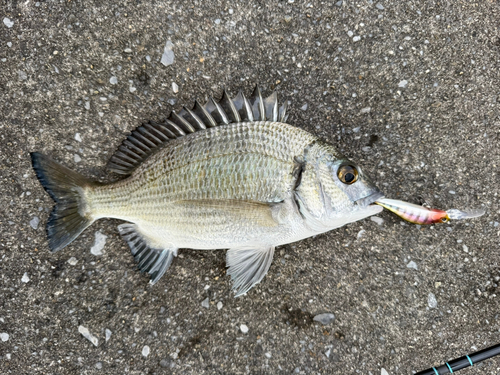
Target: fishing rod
463,362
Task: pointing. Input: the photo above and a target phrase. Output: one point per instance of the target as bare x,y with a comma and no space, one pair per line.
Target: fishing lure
422,215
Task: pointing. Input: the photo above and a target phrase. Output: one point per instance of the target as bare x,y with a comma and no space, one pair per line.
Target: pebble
324,319
77,158
219,305
268,355
365,110
377,220
9,44
7,22
4,336
403,83
25,278
113,80
172,101
206,303
175,87
85,333
87,105
384,372
34,222
168,56
72,261
77,137
356,38
100,241
350,34
431,301
98,365
132,89
360,233
304,107
108,334
452,192
145,351
413,265
127,50
244,328
22,75
381,7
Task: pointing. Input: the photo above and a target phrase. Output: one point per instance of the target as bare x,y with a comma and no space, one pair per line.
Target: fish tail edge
70,216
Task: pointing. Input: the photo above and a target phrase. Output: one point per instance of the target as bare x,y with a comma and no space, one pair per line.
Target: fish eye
347,174
444,219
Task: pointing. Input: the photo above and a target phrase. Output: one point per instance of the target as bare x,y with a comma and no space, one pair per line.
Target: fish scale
228,175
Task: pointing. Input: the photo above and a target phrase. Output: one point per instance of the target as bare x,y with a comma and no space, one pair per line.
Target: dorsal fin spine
182,122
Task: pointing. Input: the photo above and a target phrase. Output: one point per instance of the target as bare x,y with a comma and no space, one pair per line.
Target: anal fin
247,266
151,260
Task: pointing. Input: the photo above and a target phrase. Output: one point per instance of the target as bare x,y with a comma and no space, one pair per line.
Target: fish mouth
366,201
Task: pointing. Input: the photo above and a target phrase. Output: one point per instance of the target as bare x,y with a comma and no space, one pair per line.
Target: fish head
334,190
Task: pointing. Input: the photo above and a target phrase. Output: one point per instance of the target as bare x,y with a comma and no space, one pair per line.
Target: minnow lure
422,215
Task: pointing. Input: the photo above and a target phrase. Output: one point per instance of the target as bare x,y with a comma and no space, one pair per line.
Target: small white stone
219,305
145,351
304,107
403,83
77,137
413,265
132,89
25,278
357,38
113,80
127,50
9,44
206,303
34,222
361,233
87,105
365,110
99,242
7,22
452,192
377,220
350,34
175,87
168,56
72,261
268,355
4,336
85,333
108,334
384,372
431,301
244,328
77,158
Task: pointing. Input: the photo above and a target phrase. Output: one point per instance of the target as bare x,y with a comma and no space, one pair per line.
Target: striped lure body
413,213
422,215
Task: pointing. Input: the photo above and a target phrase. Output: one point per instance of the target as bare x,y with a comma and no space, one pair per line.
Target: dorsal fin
151,136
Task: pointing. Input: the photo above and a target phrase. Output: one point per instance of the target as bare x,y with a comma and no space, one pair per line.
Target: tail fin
68,218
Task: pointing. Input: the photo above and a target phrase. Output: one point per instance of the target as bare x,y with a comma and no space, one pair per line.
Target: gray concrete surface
408,89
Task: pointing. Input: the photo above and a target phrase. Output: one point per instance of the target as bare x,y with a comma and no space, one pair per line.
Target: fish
230,174
423,215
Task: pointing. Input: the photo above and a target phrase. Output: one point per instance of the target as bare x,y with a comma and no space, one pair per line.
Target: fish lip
369,199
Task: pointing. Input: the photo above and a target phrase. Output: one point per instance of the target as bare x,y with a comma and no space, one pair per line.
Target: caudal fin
68,218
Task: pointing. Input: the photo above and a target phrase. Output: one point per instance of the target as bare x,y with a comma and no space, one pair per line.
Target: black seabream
230,175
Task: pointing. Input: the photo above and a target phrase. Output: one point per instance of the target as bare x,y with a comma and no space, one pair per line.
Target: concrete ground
408,89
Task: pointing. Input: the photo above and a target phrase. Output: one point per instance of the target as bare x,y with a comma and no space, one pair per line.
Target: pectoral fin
248,266
153,261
